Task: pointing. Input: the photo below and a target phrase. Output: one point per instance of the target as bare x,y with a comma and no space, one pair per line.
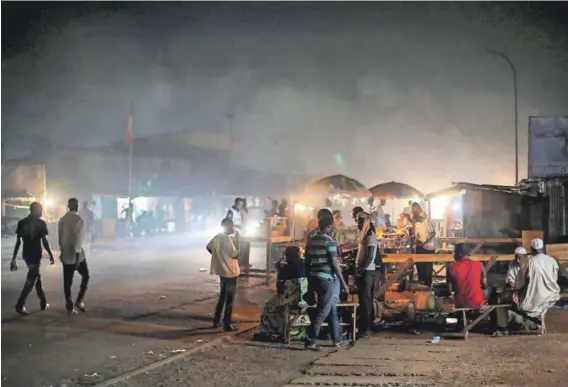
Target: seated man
540,284
466,279
502,319
291,286
520,261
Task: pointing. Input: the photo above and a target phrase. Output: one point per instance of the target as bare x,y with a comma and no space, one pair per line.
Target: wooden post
528,235
268,261
354,325
466,332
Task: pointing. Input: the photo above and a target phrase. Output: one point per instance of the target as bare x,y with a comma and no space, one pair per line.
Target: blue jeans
325,289
337,290
333,318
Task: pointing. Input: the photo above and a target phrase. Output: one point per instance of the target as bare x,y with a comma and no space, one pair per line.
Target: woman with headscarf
291,286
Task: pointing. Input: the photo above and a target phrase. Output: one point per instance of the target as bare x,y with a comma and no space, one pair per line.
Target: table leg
464,317
485,313
287,325
269,263
354,326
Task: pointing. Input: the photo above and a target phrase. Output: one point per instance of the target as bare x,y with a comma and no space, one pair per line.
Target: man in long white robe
541,286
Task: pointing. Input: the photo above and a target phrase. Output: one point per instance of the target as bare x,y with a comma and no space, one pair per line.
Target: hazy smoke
403,91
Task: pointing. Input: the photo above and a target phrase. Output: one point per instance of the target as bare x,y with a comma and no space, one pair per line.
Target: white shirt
71,235
237,218
512,274
423,230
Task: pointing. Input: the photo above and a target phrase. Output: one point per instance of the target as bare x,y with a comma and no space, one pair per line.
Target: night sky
402,91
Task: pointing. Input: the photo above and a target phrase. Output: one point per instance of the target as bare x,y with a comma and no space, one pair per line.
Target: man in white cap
520,261
541,282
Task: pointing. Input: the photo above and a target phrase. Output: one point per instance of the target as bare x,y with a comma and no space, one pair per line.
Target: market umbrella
394,190
339,184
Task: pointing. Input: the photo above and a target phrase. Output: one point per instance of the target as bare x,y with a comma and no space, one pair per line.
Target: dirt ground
518,360
230,365
121,334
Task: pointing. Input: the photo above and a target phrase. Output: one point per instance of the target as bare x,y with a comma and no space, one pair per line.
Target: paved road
146,298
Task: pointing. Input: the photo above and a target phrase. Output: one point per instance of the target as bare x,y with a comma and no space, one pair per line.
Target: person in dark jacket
32,231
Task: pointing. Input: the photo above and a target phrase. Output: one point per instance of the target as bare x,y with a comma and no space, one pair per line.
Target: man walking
71,237
32,231
225,264
323,270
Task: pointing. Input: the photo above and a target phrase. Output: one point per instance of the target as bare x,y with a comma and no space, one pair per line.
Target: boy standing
225,264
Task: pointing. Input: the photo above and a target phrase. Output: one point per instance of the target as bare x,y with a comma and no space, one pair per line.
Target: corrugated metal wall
555,190
491,214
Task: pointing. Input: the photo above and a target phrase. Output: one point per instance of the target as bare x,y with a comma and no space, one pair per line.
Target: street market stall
396,197
492,240
336,192
493,220
483,217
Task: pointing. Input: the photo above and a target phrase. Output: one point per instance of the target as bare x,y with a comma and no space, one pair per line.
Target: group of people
319,280
32,233
532,280
278,209
321,275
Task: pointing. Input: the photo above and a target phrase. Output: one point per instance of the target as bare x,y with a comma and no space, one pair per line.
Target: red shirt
465,277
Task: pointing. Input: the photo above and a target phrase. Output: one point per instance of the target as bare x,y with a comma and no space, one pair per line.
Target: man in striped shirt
322,270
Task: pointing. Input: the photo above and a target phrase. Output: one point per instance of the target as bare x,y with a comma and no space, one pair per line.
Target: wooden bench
486,310
290,323
483,313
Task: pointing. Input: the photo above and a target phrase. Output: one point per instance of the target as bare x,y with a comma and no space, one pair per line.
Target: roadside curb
159,363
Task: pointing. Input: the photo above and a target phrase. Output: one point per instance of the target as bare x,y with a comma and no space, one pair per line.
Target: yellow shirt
224,256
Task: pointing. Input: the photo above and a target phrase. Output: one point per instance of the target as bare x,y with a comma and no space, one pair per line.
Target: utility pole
129,141
514,71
